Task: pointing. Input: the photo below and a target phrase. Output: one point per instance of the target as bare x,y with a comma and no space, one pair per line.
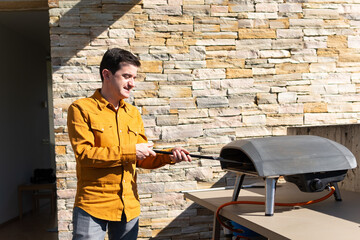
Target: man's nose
132,82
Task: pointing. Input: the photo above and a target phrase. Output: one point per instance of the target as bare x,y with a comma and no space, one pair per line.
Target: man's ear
106,74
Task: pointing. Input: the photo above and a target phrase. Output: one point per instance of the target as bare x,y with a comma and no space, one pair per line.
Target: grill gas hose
263,203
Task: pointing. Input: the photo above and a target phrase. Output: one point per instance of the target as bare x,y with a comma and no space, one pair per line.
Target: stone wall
212,71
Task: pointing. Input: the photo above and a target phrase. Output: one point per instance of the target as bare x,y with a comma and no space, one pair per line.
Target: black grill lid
288,155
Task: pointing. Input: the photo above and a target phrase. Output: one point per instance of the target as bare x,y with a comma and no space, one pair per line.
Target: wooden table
325,220
36,188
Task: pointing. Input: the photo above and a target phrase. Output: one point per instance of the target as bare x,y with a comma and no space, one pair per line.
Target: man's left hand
180,154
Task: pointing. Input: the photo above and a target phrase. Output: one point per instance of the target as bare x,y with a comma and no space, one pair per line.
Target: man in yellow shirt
109,142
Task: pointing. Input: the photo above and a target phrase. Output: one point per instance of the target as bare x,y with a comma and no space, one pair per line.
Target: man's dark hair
114,58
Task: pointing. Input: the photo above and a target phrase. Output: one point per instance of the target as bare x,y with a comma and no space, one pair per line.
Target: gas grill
310,162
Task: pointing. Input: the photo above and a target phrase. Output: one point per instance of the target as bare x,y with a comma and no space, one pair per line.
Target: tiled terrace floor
33,226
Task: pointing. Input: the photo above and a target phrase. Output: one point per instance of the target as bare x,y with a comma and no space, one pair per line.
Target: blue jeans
87,227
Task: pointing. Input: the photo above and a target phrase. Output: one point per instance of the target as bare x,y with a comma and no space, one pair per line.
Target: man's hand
180,154
144,150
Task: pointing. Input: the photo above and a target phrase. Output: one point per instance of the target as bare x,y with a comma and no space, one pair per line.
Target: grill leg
238,184
270,184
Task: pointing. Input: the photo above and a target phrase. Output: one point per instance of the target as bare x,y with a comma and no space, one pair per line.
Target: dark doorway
26,141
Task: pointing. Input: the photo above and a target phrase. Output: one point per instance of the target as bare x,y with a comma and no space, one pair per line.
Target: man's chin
125,95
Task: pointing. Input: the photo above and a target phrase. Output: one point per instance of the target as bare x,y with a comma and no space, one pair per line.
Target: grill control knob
316,185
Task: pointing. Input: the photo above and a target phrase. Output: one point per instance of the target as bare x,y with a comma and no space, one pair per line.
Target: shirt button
124,181
102,129
120,131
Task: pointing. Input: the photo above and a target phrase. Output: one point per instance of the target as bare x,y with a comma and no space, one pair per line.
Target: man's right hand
144,150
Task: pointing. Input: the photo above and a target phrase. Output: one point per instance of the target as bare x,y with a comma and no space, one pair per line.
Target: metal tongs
206,157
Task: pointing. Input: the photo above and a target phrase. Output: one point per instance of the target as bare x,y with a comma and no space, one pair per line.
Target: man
107,135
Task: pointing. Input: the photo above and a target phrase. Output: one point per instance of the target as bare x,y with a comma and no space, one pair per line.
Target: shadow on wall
75,33
79,38
196,222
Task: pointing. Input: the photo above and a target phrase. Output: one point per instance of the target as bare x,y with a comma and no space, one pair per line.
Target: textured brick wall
212,71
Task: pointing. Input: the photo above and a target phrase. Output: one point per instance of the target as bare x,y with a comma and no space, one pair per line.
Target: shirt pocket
103,134
133,133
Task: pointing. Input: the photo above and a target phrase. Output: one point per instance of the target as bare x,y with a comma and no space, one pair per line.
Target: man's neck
110,99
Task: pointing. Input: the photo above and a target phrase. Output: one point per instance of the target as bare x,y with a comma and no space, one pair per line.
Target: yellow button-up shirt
104,140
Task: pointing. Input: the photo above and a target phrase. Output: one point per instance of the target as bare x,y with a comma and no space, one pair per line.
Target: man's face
122,81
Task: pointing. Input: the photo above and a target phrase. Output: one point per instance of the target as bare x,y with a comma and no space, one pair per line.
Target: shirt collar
102,102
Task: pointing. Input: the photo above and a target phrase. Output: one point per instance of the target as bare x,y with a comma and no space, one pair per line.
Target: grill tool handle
206,157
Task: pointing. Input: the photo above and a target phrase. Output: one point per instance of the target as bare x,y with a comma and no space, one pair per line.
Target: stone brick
256,131
209,73
327,52
190,64
353,41
307,23
65,194
180,186
287,44
196,10
319,32
182,103
263,71
262,15
238,73
225,63
256,33
241,7
212,102
64,215
279,23
219,35
247,44
167,120
237,83
315,42
151,102
290,8
266,98
60,150
274,53
151,188
287,68
151,66
228,25
253,120
321,13
320,107
220,132
289,33
171,10
193,113
199,174
291,108
181,132
287,97
266,7
284,119
304,55
337,41
215,42
323,67
319,118
206,28
175,91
